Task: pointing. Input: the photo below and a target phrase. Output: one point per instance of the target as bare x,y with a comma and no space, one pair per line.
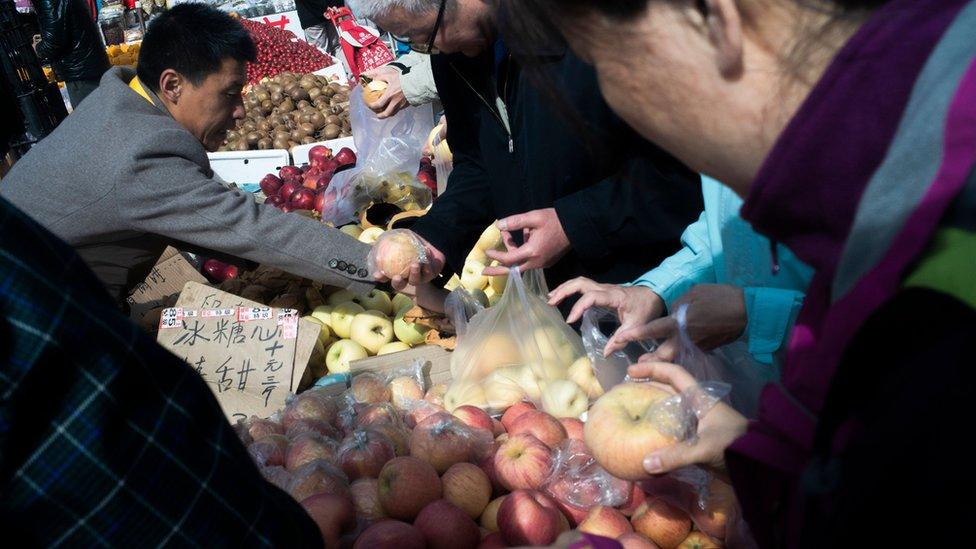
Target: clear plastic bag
510,352
388,152
460,306
596,329
577,479
394,252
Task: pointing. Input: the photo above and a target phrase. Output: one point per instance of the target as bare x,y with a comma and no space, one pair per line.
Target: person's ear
723,23
171,85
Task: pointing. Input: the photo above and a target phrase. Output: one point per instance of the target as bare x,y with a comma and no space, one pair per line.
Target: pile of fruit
123,54
304,188
291,109
384,465
279,51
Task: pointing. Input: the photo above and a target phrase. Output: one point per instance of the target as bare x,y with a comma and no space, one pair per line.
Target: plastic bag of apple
303,188
522,349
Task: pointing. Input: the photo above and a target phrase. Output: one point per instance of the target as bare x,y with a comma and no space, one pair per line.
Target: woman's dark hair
194,40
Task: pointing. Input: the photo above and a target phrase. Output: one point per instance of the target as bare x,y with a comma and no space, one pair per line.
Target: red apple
474,417
523,462
605,521
308,447
364,453
446,526
289,172
514,412
493,541
318,477
420,412
633,540
230,271
442,441
390,534
287,189
309,406
273,200
216,271
374,414
718,506
257,427
345,157
399,436
370,389
319,201
270,184
528,517
269,450
319,155
333,514
661,522
301,426
406,485
285,207
302,199
541,425
497,428
573,426
637,498
468,487
366,499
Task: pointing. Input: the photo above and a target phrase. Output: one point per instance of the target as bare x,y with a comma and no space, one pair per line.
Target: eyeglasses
429,46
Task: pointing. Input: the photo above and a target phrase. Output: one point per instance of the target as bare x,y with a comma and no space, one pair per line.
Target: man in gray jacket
127,173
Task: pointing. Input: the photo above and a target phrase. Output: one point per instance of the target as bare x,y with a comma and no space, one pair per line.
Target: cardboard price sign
199,296
245,354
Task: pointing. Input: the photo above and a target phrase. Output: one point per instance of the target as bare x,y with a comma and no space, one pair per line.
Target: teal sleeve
692,264
771,313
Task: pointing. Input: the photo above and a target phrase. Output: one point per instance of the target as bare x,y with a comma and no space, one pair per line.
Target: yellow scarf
136,86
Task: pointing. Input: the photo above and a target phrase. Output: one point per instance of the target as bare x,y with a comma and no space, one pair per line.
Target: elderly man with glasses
578,192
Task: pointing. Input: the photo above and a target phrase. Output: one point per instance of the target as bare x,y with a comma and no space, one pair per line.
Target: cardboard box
166,280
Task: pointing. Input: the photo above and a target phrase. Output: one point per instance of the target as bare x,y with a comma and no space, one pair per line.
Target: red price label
281,23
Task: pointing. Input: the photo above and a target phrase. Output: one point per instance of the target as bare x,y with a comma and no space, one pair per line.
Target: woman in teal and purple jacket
849,128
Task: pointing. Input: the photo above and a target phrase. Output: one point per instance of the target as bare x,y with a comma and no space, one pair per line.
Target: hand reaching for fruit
391,100
402,257
717,429
635,305
716,316
544,242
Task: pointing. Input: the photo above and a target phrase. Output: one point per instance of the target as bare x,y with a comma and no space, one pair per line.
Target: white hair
371,9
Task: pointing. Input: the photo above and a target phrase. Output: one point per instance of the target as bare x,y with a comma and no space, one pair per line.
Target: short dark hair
194,40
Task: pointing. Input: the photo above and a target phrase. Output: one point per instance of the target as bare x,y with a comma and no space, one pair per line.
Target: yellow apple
393,347
477,255
324,314
324,334
372,330
352,230
453,283
563,398
341,353
339,297
490,239
464,392
377,300
581,372
619,434
471,277
503,388
370,235
401,302
555,345
408,332
342,316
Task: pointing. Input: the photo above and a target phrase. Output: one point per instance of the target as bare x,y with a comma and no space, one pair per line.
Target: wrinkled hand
419,273
717,429
441,127
635,306
392,101
544,242
716,316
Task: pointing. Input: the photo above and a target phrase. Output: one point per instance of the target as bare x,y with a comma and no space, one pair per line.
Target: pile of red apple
303,188
386,466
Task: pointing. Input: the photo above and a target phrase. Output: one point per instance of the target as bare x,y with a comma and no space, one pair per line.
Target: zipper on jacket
500,111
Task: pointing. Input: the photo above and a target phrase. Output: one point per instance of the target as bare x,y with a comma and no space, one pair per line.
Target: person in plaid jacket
105,437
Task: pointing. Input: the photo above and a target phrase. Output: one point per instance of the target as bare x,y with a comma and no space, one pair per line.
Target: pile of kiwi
288,110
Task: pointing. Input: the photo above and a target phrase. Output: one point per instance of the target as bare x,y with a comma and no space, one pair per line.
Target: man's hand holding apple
544,242
392,101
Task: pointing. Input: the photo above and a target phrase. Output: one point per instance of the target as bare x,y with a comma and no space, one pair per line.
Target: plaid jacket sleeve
106,439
